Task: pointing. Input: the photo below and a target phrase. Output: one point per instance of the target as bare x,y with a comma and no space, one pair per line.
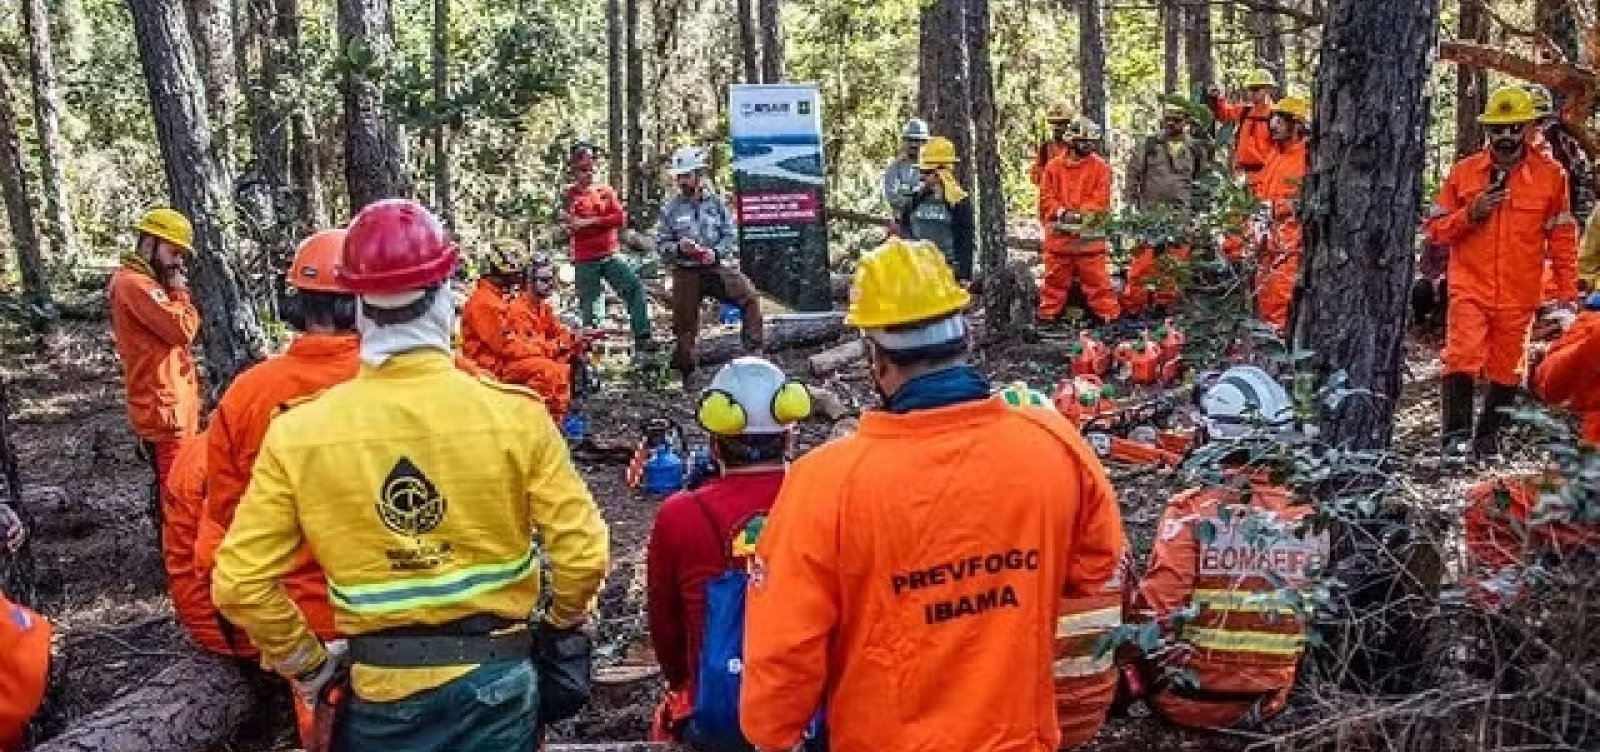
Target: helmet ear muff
791,403
721,414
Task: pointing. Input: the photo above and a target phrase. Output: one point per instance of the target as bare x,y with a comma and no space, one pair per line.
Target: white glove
310,686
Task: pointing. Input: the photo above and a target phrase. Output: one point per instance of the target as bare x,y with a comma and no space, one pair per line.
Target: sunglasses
1503,130
543,280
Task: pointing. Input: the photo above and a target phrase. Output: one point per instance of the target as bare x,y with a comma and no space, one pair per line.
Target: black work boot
1455,395
1486,437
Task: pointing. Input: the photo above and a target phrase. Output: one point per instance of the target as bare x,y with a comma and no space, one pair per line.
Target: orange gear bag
24,669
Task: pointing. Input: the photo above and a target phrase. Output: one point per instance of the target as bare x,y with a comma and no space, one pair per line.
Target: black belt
419,651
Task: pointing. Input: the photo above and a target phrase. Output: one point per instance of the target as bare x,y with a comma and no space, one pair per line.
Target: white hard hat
752,396
1243,400
687,159
916,130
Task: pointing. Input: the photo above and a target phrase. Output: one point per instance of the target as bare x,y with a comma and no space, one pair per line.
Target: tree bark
772,62
441,129
990,194
944,93
229,329
195,704
1362,199
1264,26
58,225
374,154
749,53
1171,45
615,101
1472,84
19,211
637,191
1556,22
211,28
1092,62
1197,44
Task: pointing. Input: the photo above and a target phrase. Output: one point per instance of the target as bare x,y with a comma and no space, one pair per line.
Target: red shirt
682,557
597,241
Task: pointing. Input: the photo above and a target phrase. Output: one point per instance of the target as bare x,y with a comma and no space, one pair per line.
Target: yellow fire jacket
417,488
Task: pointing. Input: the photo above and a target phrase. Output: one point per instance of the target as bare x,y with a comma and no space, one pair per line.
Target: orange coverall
1253,143
918,618
1244,641
483,326
189,585
1278,184
153,328
538,354
1569,375
24,670
1495,265
1499,536
312,364
1081,185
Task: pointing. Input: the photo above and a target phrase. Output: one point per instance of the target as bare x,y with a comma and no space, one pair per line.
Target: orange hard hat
315,261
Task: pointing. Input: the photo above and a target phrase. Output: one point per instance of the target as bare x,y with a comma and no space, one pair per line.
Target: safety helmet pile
752,396
1509,105
1245,401
938,152
169,225
688,159
396,246
901,283
316,264
1260,77
916,130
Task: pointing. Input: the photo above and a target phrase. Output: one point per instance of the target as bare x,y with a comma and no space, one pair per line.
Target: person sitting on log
539,347
24,649
483,318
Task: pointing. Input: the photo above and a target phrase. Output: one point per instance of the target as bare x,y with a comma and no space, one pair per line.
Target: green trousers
616,273
492,709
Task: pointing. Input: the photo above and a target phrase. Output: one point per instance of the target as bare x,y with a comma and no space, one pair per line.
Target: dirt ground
101,580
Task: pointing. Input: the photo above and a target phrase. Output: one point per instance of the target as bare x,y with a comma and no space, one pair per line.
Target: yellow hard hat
1295,106
169,225
1059,112
937,152
1260,77
1083,129
1509,105
1543,104
903,282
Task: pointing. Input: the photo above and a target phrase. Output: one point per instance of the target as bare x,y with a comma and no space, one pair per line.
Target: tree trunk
229,329
1171,45
1362,199
1554,20
1092,62
18,579
19,211
1197,44
772,64
615,103
749,53
1265,27
195,704
374,154
637,177
47,122
441,129
1472,83
944,93
990,195
211,28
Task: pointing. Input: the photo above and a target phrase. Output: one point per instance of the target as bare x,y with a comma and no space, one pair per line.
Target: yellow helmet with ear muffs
752,396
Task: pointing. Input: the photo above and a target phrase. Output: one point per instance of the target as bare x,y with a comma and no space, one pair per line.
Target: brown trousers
692,285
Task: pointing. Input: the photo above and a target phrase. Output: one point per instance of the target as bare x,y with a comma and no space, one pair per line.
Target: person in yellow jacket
417,490
910,579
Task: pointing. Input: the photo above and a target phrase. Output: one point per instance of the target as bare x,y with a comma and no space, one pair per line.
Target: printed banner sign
778,180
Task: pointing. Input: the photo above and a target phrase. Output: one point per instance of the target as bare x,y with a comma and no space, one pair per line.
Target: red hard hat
396,245
316,263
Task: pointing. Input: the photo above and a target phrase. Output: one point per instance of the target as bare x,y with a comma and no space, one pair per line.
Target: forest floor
101,579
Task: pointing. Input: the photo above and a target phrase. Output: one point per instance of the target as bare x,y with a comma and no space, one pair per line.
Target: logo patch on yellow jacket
409,503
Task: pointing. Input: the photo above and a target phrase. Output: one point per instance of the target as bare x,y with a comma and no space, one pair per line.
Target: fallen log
785,331
194,705
832,359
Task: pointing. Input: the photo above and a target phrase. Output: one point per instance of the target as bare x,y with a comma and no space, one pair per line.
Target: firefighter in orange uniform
1245,638
189,584
154,322
1253,142
1075,191
539,348
24,651
1277,186
1060,119
483,318
1569,374
1504,213
326,352
879,586
1505,525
